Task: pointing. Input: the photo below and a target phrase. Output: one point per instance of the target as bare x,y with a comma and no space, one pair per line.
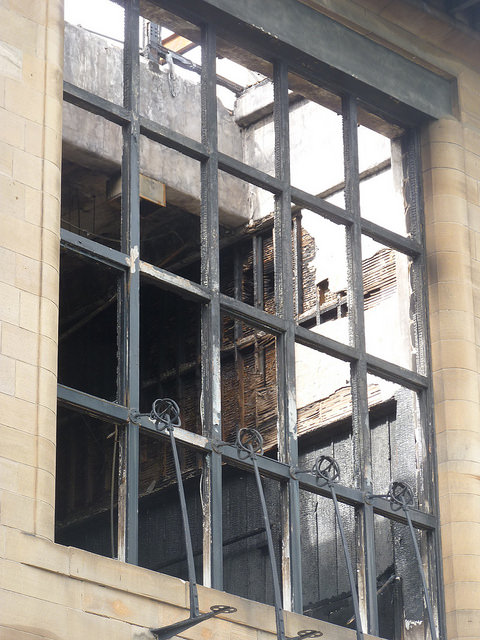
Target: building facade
266,213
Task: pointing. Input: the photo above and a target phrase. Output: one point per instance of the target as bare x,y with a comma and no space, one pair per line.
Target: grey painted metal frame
282,324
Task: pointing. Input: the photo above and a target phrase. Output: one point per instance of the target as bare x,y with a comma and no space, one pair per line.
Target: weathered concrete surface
100,143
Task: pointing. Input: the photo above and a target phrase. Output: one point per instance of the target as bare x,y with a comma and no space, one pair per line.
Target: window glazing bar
172,139
131,245
326,345
284,304
360,422
245,172
395,373
329,211
91,404
94,250
95,104
256,317
210,329
413,198
408,246
172,282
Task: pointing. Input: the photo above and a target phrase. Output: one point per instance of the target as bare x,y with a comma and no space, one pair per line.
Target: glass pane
399,451
86,483
324,402
249,382
316,139
401,609
245,107
93,48
91,182
160,526
389,304
246,563
169,209
170,67
170,352
321,275
326,588
87,355
246,252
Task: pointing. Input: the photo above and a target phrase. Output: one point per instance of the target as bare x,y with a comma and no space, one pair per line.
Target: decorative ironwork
250,444
402,494
166,414
327,468
250,441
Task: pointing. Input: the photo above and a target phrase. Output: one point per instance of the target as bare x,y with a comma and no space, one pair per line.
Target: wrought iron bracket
166,415
326,468
401,493
250,444
171,630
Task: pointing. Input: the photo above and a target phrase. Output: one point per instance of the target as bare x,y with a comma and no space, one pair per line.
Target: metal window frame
283,325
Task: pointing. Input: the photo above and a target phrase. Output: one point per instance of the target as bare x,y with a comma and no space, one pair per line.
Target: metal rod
250,442
271,552
163,633
194,610
428,603
185,63
348,560
166,414
328,469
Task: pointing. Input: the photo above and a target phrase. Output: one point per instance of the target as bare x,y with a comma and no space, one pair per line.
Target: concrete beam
321,48
93,142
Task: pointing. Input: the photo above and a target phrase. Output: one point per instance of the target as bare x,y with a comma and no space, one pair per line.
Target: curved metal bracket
166,414
402,494
250,444
328,469
171,630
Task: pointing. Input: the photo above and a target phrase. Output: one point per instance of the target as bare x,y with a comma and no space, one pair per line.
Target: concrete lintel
344,58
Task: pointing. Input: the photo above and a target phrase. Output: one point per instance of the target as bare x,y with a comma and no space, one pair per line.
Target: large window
245,239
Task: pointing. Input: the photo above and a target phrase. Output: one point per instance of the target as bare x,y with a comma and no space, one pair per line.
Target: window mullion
284,300
211,332
360,421
128,481
418,276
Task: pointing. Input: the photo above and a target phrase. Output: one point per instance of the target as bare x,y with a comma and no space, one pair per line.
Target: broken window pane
87,354
245,107
86,482
249,382
398,445
160,526
321,275
326,588
246,562
93,47
170,352
401,609
169,209
246,251
381,191
170,66
91,183
390,318
316,138
324,399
